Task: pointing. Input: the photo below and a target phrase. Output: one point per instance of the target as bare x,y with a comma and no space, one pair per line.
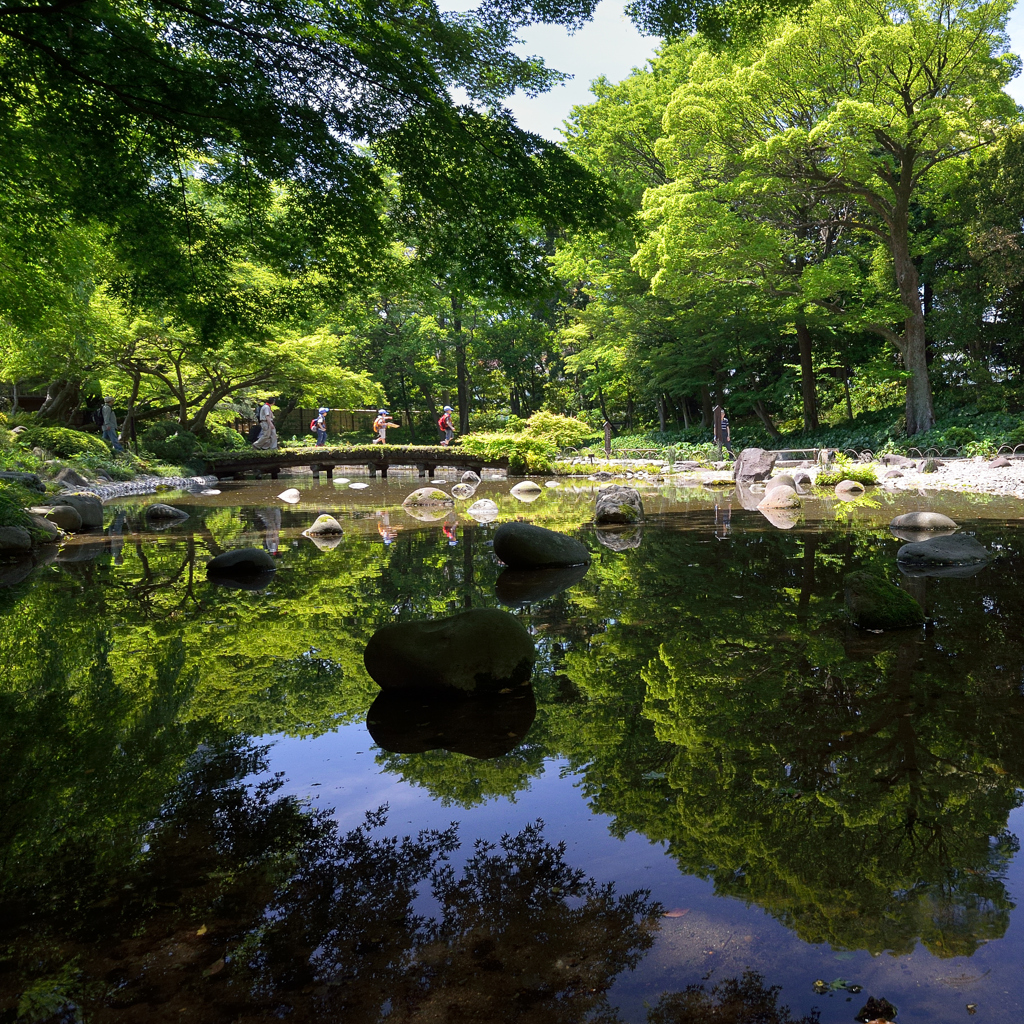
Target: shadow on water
702,690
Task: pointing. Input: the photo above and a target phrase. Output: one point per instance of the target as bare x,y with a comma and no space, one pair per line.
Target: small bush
170,442
563,431
861,474
525,454
64,442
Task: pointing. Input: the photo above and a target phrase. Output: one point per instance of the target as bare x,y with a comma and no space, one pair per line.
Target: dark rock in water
480,725
64,516
484,650
160,511
256,582
88,506
999,462
14,540
914,536
71,478
923,521
618,505
51,531
524,586
958,549
81,550
874,603
13,573
522,546
753,464
619,538
29,480
876,1009
241,563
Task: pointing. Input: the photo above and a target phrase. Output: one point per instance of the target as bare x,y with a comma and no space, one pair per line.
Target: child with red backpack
446,426
318,426
382,424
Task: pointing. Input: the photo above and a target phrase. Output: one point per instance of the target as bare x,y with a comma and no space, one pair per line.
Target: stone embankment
146,485
975,476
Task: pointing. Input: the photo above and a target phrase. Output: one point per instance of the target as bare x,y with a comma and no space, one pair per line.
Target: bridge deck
377,459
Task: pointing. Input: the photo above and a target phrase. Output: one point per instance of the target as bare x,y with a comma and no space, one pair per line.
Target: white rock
526,490
340,481
358,487
483,511
552,483
463,491
292,495
210,491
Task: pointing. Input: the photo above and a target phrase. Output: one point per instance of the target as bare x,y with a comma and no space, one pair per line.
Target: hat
322,411
447,408
382,412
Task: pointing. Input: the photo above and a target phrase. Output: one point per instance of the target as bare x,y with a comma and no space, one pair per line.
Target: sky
611,46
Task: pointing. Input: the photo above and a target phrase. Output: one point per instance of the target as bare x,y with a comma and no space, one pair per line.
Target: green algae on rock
874,603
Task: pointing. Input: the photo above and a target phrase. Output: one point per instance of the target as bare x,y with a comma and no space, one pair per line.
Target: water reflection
708,696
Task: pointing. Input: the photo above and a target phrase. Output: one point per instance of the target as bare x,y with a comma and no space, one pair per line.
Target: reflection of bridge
375,458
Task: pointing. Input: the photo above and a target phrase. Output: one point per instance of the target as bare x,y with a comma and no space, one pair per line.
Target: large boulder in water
483,510
522,546
780,496
484,650
428,497
14,540
958,549
241,562
874,603
477,725
323,526
160,511
753,464
618,506
922,521
64,516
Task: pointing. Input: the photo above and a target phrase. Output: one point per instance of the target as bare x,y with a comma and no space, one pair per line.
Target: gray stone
471,478
29,480
429,496
14,540
620,538
51,531
999,462
892,474
66,517
780,518
896,460
241,562
753,464
88,506
618,505
783,480
483,510
686,465
782,496
160,511
849,489
930,465
324,525
923,521
602,475
71,478
484,650
958,549
463,491
523,546
874,603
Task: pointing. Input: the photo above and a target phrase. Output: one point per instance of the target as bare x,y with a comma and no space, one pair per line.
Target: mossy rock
874,603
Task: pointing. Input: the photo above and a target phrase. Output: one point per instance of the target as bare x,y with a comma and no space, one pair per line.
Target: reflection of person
387,532
110,425
382,424
446,425
268,432
116,535
321,427
449,532
272,521
723,520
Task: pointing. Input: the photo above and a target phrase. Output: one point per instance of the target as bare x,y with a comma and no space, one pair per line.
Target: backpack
97,416
312,425
443,422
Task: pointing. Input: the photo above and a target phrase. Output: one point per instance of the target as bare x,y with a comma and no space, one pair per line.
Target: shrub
170,442
525,454
563,431
64,442
848,471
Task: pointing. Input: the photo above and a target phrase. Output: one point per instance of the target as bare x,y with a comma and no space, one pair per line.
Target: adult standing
723,436
321,427
268,432
110,425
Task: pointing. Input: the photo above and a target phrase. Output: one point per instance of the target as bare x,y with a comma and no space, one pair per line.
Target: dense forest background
811,214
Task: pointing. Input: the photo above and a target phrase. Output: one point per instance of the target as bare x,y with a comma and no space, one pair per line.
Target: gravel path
965,475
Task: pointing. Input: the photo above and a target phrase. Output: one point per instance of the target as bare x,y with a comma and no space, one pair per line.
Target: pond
725,795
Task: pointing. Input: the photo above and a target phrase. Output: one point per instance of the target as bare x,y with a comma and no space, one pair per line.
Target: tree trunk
461,381
707,414
765,418
807,389
62,398
684,404
128,423
920,412
846,386
661,413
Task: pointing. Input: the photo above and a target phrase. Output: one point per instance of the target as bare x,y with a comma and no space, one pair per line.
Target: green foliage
169,441
13,501
64,442
845,469
564,431
525,454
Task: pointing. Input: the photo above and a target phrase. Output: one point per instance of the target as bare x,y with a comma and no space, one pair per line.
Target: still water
726,795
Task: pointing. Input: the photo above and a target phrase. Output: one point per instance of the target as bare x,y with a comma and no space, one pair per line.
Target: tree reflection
243,904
